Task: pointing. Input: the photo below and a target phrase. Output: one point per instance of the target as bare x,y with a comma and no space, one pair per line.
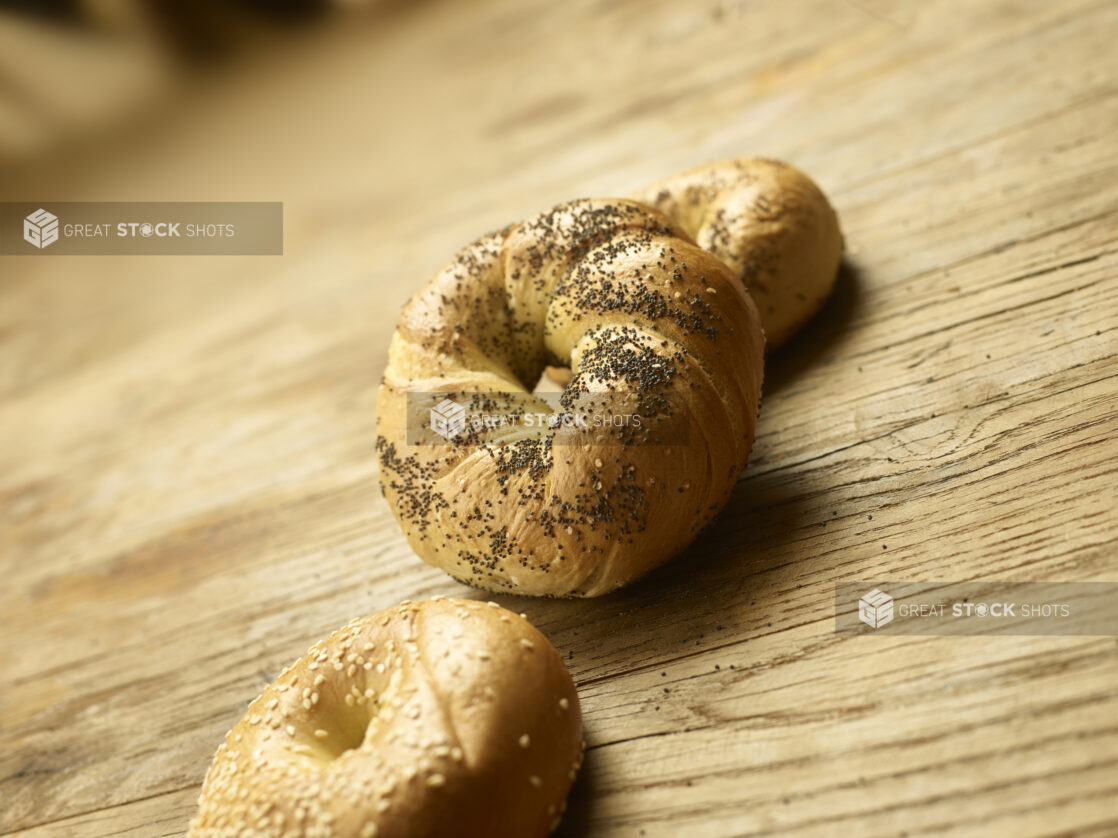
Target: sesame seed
525,740
436,781
564,704
535,781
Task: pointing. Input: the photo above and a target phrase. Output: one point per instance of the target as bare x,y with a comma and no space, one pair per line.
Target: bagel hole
345,730
349,738
553,379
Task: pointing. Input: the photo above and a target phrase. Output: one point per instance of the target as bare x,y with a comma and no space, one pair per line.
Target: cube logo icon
448,419
875,609
40,228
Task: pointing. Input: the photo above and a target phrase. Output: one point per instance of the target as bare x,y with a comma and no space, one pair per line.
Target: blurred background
73,70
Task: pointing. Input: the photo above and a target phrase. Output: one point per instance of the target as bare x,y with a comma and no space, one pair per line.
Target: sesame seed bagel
438,718
770,223
651,326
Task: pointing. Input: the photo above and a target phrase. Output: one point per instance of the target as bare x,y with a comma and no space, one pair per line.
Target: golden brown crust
439,718
770,223
648,322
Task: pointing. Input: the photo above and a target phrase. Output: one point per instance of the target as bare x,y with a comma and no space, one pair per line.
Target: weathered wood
188,479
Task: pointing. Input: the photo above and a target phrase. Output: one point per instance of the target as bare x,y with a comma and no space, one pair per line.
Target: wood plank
159,816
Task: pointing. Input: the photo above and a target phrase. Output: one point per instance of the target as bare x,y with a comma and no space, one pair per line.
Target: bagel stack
649,323
439,719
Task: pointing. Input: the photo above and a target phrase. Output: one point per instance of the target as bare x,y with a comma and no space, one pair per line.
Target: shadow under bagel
818,335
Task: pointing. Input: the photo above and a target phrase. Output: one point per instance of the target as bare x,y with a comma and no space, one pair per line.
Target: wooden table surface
187,471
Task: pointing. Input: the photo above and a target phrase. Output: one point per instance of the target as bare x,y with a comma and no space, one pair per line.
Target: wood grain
188,479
